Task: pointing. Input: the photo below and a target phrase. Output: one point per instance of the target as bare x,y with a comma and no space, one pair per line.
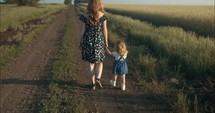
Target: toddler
120,67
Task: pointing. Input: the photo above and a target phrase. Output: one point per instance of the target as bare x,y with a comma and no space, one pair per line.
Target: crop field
197,19
165,53
11,18
171,60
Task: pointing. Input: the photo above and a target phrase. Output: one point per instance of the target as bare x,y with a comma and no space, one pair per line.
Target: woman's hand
108,51
106,44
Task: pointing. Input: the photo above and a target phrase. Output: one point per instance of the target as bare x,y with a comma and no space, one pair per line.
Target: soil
22,84
14,36
109,99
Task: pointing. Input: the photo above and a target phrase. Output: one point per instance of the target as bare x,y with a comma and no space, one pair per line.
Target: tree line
22,2
35,2
80,1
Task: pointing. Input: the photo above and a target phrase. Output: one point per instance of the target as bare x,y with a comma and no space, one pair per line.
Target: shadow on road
24,82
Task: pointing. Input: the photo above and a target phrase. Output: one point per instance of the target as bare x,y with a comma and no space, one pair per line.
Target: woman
94,39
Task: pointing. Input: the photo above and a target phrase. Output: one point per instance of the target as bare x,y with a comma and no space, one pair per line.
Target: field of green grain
165,61
11,18
198,19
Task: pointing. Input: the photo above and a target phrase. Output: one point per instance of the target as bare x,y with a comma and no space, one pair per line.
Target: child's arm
108,51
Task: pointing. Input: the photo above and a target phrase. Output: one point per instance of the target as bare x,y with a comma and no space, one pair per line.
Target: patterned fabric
93,46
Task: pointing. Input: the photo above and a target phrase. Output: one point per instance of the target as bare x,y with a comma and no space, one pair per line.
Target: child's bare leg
92,72
114,77
123,79
113,81
123,82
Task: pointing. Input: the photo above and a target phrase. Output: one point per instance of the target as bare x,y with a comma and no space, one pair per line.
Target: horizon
147,2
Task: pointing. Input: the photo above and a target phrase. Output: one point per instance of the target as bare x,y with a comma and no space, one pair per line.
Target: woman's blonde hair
121,48
93,8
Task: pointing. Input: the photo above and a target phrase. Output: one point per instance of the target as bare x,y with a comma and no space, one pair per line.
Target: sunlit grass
13,16
157,54
199,19
9,53
61,97
194,54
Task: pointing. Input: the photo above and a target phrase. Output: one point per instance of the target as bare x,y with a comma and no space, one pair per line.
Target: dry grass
158,54
13,16
199,19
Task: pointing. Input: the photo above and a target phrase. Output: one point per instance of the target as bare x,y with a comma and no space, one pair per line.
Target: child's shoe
123,87
93,86
113,83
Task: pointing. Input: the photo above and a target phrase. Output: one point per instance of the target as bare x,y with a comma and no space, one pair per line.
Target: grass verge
13,51
161,54
12,16
61,97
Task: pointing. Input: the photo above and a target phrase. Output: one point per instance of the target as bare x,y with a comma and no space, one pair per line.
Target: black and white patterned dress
93,45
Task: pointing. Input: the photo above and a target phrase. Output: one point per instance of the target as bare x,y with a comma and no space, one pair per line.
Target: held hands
106,45
108,51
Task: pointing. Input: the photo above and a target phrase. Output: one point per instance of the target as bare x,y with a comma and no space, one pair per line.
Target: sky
155,2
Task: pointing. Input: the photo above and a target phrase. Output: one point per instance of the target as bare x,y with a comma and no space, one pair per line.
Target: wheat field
197,19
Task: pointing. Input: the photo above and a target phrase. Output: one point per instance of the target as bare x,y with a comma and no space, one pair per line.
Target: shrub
27,2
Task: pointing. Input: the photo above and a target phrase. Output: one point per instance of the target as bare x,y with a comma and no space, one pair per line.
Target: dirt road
109,99
22,83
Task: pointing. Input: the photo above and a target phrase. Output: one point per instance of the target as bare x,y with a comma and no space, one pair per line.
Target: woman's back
93,39
87,21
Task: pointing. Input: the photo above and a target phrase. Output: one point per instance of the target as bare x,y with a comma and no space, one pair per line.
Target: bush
67,2
27,2
10,1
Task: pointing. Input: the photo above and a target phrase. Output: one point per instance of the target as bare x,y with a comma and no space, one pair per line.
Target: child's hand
108,51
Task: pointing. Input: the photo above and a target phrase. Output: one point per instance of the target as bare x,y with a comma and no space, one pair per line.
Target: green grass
195,55
13,16
199,19
61,97
14,50
167,59
158,54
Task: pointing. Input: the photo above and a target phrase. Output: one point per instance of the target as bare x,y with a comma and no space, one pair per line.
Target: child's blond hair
121,48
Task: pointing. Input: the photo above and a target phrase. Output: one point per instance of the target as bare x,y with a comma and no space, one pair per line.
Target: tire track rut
22,82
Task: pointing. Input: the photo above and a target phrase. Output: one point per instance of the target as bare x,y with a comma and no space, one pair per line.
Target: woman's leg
92,72
99,69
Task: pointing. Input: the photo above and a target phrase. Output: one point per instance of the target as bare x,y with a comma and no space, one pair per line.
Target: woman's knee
99,64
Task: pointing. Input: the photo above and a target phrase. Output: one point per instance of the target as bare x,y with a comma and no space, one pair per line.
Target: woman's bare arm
108,51
105,33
